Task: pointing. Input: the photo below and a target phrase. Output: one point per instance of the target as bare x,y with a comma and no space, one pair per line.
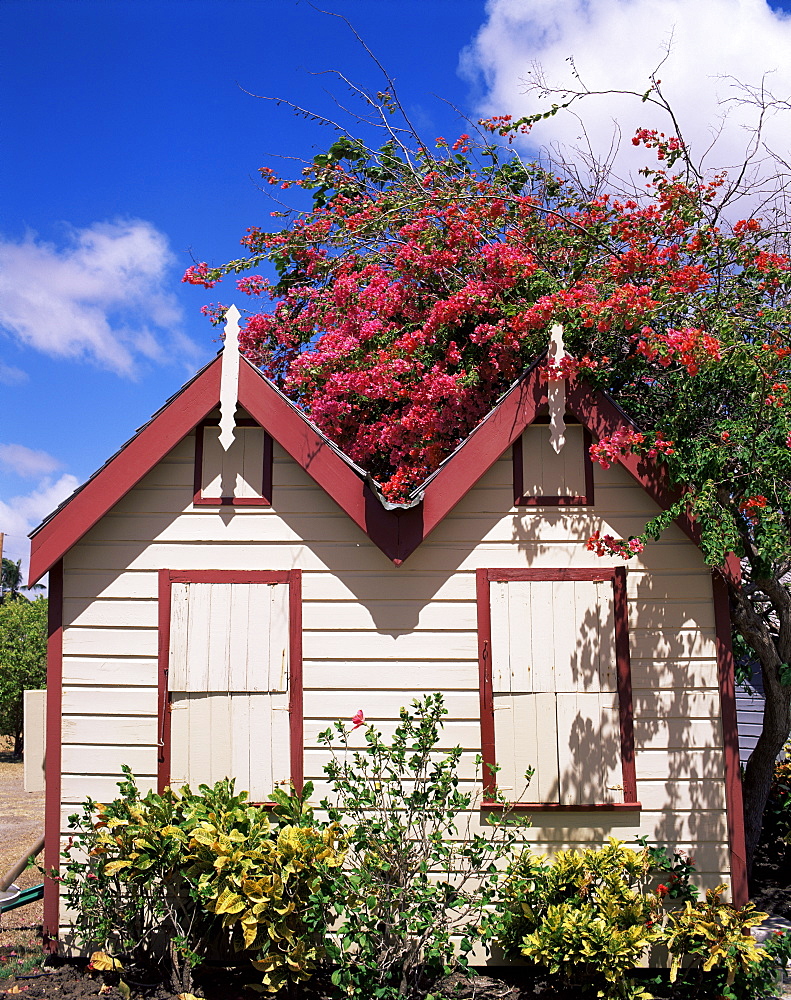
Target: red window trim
617,575
293,578
199,500
546,500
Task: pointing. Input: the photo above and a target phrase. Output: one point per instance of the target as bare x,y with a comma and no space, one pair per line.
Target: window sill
199,501
557,807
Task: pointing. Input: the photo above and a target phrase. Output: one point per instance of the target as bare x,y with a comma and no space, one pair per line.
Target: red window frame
199,500
548,500
293,578
617,575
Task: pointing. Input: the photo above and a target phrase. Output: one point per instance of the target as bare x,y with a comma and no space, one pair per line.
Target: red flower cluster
199,274
624,441
690,346
406,305
609,545
778,396
751,506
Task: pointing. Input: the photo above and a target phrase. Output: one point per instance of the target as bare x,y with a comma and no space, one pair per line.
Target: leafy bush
715,936
416,876
777,818
676,871
23,660
760,979
260,883
583,914
591,915
394,888
194,871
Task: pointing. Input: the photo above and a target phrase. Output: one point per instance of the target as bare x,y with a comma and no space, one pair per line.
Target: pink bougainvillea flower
358,719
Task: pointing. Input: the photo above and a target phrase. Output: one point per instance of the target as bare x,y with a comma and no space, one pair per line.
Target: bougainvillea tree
418,283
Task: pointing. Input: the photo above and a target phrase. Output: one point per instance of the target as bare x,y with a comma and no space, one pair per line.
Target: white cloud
27,462
20,514
9,375
616,44
102,296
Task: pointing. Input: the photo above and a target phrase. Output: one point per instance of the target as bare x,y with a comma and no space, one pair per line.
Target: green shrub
676,871
591,916
583,914
760,979
261,883
777,817
416,876
715,937
23,660
196,871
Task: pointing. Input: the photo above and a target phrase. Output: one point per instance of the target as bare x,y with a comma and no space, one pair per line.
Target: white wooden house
213,610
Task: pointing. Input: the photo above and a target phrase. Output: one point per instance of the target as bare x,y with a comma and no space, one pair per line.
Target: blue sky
128,145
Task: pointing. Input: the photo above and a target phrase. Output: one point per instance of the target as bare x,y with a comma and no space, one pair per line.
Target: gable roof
396,529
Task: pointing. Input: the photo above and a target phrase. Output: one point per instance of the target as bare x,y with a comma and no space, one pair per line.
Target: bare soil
24,972
21,825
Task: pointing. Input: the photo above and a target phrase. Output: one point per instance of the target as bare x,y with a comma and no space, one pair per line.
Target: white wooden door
228,679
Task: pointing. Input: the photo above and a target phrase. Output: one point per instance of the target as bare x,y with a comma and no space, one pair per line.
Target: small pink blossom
358,719
200,274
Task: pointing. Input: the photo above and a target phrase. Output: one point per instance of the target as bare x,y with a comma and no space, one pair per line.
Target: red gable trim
396,532
114,481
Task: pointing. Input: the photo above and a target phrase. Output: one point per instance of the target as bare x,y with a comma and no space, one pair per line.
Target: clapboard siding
354,677
375,636
83,612
750,713
383,704
389,615
75,788
109,642
114,671
385,613
87,758
360,557
109,730
109,701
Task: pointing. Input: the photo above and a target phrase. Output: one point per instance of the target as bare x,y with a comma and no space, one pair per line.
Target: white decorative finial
229,380
556,391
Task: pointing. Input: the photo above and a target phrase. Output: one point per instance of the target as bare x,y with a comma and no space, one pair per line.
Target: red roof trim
397,532
173,422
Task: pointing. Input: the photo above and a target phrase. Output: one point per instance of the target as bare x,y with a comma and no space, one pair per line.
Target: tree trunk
759,771
772,645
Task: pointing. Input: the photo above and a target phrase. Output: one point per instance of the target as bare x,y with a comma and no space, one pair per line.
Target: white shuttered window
238,472
554,690
228,678
544,477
